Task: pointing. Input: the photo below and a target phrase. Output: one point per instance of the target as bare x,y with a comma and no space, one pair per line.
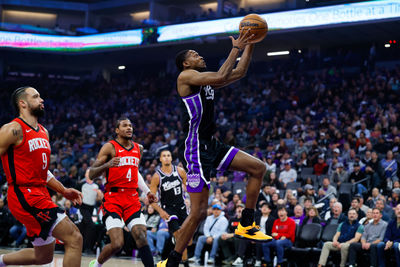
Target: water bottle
389,184
205,258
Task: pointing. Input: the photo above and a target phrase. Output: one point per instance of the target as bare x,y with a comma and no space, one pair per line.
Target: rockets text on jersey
26,164
125,175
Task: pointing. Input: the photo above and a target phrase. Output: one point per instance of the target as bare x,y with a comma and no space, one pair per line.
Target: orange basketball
258,26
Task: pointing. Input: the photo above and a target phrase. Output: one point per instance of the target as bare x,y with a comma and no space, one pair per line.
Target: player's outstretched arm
241,69
196,78
152,198
69,193
10,134
102,162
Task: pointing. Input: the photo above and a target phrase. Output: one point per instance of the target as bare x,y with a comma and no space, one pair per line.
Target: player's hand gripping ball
257,25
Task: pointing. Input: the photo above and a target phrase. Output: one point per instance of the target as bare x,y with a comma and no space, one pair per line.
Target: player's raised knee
259,169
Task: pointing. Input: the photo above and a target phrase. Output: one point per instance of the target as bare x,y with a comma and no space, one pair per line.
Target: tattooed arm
141,150
10,134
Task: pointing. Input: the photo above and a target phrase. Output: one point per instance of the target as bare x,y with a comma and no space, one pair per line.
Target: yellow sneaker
162,263
252,233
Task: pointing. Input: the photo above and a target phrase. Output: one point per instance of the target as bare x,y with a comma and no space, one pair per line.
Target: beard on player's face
125,136
36,111
201,68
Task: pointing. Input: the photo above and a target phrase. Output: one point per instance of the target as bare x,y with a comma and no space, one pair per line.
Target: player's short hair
119,121
180,57
164,150
16,96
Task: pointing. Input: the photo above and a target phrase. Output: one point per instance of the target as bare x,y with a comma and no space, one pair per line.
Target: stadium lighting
299,51
278,53
387,45
238,59
121,67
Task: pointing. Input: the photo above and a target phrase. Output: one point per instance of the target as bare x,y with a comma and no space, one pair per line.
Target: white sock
97,264
1,261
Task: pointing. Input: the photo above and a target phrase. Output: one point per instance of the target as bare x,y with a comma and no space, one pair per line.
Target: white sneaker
211,261
238,262
193,259
258,264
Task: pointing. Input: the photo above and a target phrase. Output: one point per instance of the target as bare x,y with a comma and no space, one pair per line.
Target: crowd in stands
330,141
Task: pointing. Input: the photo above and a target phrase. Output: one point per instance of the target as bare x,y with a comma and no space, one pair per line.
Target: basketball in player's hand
257,25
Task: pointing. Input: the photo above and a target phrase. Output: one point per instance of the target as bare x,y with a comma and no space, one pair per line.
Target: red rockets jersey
27,163
125,175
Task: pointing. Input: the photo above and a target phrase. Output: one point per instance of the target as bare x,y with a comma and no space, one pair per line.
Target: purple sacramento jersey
199,151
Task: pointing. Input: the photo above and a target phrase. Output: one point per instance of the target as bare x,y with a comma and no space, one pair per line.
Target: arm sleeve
142,185
50,176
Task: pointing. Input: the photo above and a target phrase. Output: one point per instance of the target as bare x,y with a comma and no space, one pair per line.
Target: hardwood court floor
113,262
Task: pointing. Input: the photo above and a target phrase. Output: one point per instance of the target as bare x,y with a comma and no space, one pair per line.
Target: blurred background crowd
326,136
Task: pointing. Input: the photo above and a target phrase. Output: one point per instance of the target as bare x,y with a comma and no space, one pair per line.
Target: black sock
247,217
174,258
146,256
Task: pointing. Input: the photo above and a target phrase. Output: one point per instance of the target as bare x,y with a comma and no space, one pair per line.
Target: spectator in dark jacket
356,176
355,204
391,240
312,216
373,169
265,221
337,215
